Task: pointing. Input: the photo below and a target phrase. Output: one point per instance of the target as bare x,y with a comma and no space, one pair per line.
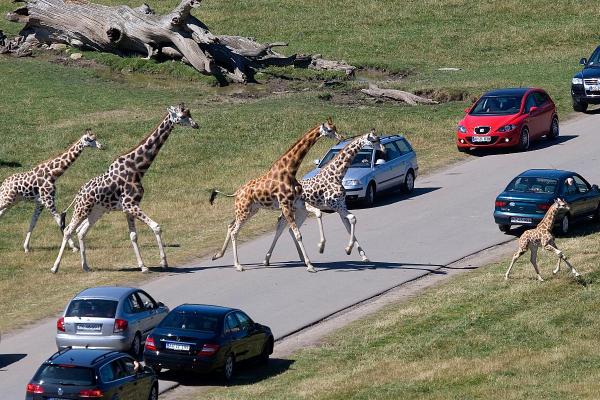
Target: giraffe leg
47,200
533,260
237,225
34,219
561,257
134,244
82,231
349,222
135,211
76,220
516,256
319,214
280,227
220,253
289,214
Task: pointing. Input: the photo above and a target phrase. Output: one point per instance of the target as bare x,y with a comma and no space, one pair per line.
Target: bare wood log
399,95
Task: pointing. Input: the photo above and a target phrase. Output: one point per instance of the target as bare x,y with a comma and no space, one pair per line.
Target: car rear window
65,375
528,184
98,308
193,321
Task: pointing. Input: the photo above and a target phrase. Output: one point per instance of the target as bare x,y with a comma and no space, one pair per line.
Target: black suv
99,374
585,86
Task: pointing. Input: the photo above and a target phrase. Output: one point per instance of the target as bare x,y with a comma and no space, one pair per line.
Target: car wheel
153,393
267,350
409,182
597,214
554,129
580,106
504,228
565,225
524,140
369,199
136,346
228,368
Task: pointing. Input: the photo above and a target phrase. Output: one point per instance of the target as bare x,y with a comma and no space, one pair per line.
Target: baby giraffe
542,236
39,184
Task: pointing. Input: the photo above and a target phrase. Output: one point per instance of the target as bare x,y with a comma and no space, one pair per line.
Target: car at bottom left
92,374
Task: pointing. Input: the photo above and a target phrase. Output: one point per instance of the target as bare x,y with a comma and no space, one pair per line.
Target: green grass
474,337
46,106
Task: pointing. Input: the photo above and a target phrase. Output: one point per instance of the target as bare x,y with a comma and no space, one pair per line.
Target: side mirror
161,304
583,61
380,161
533,109
316,161
595,187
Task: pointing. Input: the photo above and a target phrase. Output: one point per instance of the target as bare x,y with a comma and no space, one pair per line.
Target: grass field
475,337
47,105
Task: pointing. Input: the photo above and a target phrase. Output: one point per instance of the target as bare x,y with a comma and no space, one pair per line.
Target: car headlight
507,128
351,182
461,129
577,81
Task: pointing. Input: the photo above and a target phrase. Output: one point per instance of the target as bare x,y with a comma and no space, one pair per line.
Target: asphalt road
448,217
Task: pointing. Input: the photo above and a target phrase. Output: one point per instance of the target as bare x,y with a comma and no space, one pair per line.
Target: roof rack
103,356
58,353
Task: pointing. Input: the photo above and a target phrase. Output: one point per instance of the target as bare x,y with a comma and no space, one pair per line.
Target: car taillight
60,324
120,326
208,350
150,345
543,206
500,203
91,393
33,388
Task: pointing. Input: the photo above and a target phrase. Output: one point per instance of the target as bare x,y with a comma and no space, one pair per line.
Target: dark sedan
206,338
99,374
528,196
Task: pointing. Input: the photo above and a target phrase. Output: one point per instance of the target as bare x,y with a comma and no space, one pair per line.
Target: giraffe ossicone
120,189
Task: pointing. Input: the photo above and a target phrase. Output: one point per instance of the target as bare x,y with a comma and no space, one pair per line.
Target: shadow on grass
247,373
10,164
385,198
8,359
535,146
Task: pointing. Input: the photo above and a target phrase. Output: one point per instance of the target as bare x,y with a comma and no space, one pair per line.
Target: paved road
448,217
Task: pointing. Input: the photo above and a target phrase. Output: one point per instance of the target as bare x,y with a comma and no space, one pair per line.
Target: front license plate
479,139
56,398
593,88
177,346
521,220
89,327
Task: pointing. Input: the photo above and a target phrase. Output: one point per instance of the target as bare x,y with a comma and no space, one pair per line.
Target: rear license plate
89,327
479,139
177,346
521,220
56,398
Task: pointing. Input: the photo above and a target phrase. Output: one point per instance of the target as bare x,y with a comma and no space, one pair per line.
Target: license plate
593,88
478,139
177,346
89,327
521,220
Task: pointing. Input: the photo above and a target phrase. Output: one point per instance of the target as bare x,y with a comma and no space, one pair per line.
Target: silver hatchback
109,317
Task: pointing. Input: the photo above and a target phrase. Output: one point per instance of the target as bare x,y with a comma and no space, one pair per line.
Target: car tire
580,106
136,346
565,225
596,216
409,182
228,368
554,129
369,199
153,393
263,358
524,140
504,228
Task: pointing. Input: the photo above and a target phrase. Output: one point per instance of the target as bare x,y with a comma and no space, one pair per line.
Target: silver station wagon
373,172
109,317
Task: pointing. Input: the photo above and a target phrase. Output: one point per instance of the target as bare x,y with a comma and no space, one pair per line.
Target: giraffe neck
290,161
140,157
547,223
58,165
340,163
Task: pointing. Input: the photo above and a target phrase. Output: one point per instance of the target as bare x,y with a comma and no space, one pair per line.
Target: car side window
581,185
232,325
403,146
112,371
245,321
106,374
391,151
530,102
569,186
129,366
133,304
540,98
146,301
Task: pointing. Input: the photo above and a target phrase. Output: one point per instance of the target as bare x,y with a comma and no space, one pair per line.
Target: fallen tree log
399,95
139,31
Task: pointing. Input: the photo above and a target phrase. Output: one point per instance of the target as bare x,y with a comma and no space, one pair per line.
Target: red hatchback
508,118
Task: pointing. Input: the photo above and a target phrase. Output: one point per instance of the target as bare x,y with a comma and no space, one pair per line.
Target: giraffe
120,188
542,236
325,192
39,184
276,189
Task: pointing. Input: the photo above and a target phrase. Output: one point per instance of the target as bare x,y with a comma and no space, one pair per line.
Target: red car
508,118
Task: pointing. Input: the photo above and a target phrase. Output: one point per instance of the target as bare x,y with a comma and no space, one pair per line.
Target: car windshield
65,375
528,184
95,308
361,160
594,60
190,321
497,105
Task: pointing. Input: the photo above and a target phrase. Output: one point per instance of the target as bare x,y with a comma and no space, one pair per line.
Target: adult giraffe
276,189
120,188
39,184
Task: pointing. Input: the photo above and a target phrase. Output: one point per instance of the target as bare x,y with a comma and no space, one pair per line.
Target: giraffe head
180,115
89,140
561,204
329,130
372,139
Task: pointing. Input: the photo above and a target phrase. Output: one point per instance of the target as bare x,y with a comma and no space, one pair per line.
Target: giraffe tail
215,192
63,216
